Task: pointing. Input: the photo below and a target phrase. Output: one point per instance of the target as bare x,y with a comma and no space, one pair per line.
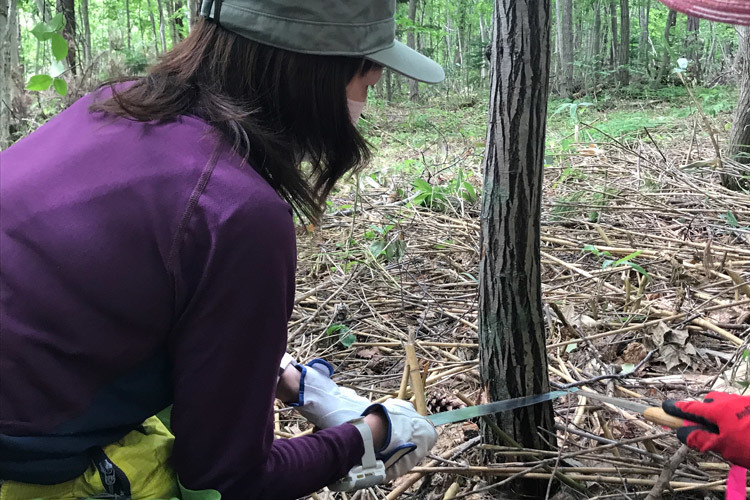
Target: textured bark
178,23
694,49
664,67
127,21
643,41
566,49
162,28
83,9
69,31
624,58
614,53
411,42
596,48
513,358
739,136
5,35
194,6
153,26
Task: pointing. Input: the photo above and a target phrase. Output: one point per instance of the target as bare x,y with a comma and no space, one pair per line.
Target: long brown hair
272,105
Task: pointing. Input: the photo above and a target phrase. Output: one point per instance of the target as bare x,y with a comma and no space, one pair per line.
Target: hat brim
723,11
409,62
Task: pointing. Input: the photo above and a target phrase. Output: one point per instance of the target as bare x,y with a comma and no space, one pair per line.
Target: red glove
721,423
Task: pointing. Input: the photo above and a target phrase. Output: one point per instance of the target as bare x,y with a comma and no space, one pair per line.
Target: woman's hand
319,399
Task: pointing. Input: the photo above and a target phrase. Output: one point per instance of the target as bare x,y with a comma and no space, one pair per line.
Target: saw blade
449,417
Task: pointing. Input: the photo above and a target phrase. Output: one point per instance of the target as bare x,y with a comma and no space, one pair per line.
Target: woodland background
645,227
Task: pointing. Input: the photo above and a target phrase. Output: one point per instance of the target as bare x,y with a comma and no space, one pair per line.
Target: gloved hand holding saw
408,438
721,423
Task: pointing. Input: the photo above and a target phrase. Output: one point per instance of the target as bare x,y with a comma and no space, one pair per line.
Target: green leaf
639,269
423,186
348,340
61,86
56,69
59,46
627,258
377,247
627,369
42,31
39,82
57,23
337,328
590,248
730,219
571,347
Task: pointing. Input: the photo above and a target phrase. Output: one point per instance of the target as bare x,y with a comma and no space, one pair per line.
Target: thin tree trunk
153,26
410,41
694,49
162,28
643,42
193,5
178,21
483,38
84,10
127,22
739,136
624,59
557,62
615,48
69,31
566,50
513,357
596,48
5,104
665,58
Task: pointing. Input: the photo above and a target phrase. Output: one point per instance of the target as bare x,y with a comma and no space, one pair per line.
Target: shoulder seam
198,190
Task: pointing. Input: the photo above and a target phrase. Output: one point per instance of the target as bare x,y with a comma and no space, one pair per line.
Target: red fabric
721,423
725,11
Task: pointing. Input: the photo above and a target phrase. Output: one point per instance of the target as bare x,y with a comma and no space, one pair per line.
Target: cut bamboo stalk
415,377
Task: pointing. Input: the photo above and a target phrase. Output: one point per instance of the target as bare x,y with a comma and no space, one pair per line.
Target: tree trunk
162,28
84,10
69,31
624,59
615,50
5,35
694,49
739,136
178,21
665,58
513,357
153,26
127,22
643,42
566,50
194,6
596,48
411,42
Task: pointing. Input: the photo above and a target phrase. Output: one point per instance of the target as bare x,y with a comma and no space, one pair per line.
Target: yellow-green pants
142,456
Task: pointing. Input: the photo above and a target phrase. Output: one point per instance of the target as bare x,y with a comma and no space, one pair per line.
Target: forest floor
645,270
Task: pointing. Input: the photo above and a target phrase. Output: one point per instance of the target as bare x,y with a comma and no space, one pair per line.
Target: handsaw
653,414
451,416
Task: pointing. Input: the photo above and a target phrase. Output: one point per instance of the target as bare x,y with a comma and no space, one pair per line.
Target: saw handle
660,417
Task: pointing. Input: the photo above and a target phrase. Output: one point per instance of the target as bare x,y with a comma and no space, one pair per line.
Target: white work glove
409,439
321,401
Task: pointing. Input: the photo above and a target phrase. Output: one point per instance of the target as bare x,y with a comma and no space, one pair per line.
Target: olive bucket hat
359,28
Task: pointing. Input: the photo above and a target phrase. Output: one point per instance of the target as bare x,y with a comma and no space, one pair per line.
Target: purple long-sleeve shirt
142,264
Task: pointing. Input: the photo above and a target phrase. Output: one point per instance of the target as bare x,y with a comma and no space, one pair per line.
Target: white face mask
355,110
